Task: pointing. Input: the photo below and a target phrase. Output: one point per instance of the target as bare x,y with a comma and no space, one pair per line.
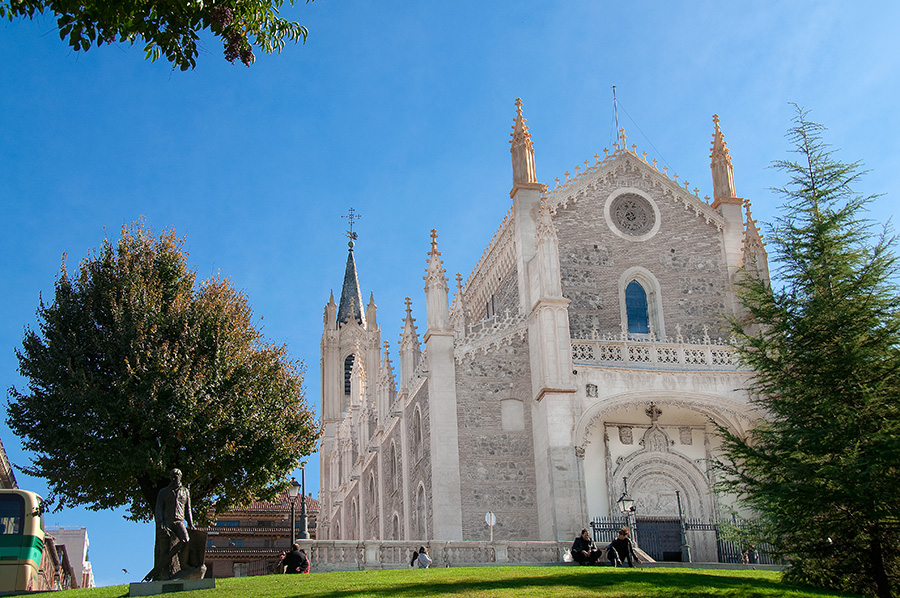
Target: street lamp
304,532
293,490
685,547
626,507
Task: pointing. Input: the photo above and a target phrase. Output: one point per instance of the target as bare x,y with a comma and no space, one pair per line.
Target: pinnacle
434,236
719,146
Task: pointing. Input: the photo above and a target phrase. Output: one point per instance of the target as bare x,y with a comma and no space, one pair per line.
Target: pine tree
823,470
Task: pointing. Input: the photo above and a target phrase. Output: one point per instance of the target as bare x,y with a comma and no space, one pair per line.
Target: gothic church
588,346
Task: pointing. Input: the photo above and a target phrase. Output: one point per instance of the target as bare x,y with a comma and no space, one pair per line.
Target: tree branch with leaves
168,29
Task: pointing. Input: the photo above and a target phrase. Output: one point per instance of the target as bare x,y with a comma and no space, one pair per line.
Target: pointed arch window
420,514
636,308
640,303
417,433
394,467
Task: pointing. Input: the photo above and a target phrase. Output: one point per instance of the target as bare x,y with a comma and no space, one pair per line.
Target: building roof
350,306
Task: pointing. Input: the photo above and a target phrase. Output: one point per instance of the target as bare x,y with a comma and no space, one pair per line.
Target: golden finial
434,240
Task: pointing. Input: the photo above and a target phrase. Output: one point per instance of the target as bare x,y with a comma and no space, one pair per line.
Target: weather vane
351,217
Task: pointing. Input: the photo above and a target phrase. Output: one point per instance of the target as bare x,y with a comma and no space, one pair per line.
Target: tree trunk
876,557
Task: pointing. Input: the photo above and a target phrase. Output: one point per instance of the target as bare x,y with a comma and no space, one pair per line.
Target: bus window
12,512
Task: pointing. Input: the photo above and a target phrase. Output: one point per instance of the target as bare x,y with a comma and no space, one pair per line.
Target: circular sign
490,518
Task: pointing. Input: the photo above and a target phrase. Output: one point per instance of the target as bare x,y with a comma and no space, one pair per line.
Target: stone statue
174,552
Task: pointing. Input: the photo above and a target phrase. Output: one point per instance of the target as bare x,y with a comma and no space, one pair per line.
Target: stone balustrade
345,555
657,355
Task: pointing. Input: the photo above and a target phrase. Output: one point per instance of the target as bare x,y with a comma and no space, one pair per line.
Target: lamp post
304,532
626,506
685,547
293,489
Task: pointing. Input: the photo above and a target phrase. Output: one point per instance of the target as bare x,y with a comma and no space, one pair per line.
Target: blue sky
401,110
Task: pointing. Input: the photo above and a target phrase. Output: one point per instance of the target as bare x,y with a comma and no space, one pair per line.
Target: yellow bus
21,540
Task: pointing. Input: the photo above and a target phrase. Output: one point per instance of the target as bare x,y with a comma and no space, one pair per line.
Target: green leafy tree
169,29
823,470
136,370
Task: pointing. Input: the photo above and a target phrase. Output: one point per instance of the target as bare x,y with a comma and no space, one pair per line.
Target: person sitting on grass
295,561
584,552
423,561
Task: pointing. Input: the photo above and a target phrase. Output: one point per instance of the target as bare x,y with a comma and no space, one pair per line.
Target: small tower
726,201
446,496
546,310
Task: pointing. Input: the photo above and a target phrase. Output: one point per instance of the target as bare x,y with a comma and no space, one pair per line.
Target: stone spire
386,390
370,312
409,347
387,368
351,297
522,149
436,290
722,170
330,311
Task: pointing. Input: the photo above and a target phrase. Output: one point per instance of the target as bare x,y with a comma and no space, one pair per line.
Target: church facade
587,350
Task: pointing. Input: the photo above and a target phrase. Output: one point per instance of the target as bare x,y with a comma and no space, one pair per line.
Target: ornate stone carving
626,435
632,214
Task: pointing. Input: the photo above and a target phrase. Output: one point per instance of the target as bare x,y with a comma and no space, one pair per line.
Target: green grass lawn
498,582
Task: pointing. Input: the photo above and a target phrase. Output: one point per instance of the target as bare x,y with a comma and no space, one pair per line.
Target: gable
624,220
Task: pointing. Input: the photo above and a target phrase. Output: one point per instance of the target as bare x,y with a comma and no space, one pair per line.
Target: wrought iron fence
660,537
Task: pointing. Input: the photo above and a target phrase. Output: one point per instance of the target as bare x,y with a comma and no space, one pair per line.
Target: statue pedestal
152,588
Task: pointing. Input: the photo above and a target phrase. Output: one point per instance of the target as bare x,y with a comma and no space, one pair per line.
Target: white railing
651,354
344,555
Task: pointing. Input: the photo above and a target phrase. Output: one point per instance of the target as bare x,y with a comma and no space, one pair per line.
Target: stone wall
392,481
419,463
495,443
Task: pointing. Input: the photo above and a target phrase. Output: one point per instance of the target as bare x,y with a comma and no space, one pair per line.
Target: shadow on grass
594,582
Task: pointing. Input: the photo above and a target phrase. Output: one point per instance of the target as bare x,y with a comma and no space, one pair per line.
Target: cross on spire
351,217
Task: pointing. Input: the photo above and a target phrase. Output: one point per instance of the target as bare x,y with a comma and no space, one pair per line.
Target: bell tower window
348,371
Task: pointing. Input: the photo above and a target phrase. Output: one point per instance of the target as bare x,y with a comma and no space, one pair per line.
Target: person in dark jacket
622,549
295,561
584,551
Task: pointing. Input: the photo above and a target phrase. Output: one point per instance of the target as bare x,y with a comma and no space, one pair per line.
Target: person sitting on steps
584,552
622,548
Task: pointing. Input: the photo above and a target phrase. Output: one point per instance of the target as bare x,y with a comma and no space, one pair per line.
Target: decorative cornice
622,162
491,334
